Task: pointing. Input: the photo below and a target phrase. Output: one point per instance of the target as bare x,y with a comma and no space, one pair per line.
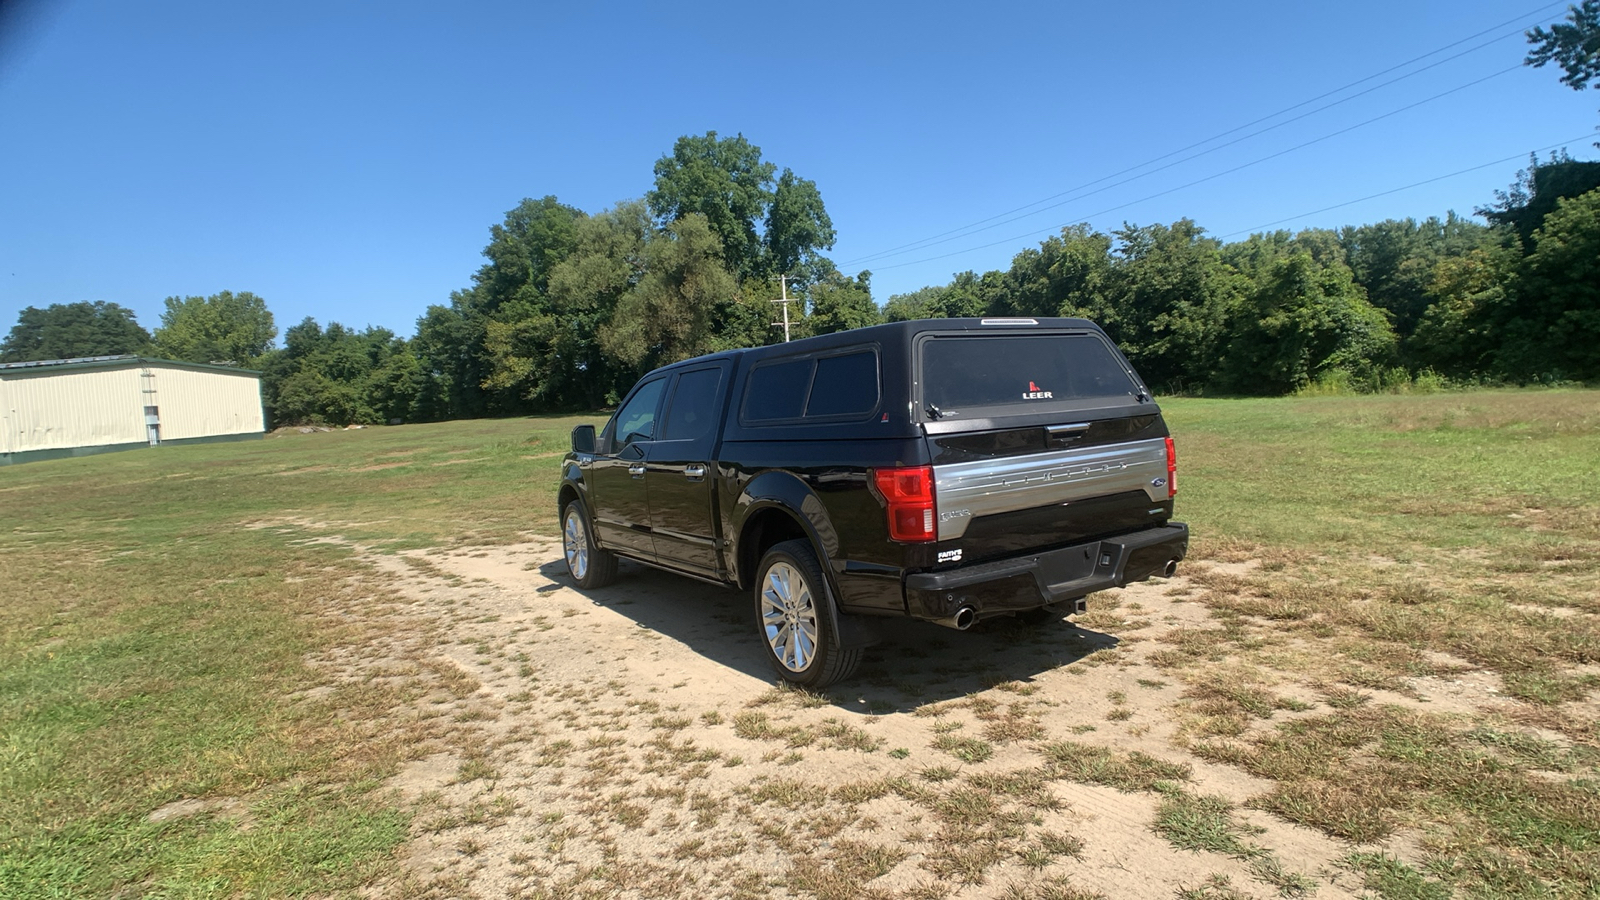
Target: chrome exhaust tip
964,618
1171,569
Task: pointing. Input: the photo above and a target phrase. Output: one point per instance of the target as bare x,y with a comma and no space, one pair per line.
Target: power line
968,231
1407,187
972,228
964,230
1214,176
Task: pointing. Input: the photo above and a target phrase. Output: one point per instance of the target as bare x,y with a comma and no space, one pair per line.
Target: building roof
116,362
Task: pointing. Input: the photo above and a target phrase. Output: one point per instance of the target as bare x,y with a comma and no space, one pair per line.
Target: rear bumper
1041,579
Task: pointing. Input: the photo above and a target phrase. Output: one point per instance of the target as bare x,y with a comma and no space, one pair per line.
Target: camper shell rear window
967,376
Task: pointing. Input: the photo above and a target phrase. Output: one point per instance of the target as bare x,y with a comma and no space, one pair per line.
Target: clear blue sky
345,161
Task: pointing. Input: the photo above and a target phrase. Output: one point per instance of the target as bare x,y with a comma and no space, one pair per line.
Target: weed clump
1134,771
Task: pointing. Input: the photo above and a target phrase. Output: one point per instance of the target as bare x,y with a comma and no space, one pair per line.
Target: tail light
909,494
1172,469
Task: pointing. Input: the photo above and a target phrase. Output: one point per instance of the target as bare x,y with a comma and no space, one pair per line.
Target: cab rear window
961,375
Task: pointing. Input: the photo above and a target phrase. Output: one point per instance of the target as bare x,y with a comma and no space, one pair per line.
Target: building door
152,412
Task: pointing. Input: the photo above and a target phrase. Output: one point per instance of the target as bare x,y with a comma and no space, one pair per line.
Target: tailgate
1009,504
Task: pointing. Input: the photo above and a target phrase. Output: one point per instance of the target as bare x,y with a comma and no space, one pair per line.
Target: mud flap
856,632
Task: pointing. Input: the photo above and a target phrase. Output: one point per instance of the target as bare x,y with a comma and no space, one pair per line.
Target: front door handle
694,471
636,470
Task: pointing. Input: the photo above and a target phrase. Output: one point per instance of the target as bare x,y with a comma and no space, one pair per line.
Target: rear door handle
636,470
1064,435
1067,429
694,471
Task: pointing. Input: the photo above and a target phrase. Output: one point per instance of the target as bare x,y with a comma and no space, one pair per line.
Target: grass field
153,649
1393,539
164,732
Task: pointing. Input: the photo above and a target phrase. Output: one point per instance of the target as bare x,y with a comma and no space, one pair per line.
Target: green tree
967,295
226,326
840,303
340,376
1167,301
1066,276
1574,45
1536,191
547,349
1453,335
70,330
668,315
1394,261
1550,322
924,303
749,316
766,227
797,227
724,181
1302,320
449,346
523,250
452,342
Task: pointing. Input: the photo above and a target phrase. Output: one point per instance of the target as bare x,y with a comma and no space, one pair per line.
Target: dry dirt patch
632,741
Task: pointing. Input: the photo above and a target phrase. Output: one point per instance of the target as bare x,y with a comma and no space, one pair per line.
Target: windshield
962,376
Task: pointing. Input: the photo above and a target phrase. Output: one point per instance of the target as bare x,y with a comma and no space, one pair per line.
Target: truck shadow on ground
916,664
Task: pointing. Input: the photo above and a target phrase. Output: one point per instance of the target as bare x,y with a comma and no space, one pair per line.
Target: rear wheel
589,566
797,621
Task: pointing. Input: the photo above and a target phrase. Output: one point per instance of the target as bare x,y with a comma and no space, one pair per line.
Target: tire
588,565
796,621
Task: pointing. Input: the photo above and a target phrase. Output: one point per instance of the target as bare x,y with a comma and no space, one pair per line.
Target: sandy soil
631,741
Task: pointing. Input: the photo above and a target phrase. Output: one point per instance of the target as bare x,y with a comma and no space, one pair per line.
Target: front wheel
796,619
589,566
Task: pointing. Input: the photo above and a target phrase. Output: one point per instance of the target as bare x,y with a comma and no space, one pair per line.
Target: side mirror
583,439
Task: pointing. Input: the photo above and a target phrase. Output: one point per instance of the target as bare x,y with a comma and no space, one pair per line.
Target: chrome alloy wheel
576,542
789,617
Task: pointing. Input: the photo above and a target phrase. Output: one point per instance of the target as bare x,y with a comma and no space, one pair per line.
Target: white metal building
74,407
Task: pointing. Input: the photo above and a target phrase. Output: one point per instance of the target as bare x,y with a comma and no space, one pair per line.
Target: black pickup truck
949,470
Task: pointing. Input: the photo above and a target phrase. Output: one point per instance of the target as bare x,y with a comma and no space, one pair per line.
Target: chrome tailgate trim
971,490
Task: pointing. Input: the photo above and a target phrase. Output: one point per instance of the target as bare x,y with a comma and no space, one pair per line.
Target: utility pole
783,282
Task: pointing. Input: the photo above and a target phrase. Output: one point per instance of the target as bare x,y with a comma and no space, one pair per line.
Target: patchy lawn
330,663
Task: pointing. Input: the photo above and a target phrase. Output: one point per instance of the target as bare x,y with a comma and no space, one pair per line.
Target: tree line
567,311
570,307
1362,307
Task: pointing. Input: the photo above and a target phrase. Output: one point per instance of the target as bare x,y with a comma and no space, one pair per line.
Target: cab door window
636,420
